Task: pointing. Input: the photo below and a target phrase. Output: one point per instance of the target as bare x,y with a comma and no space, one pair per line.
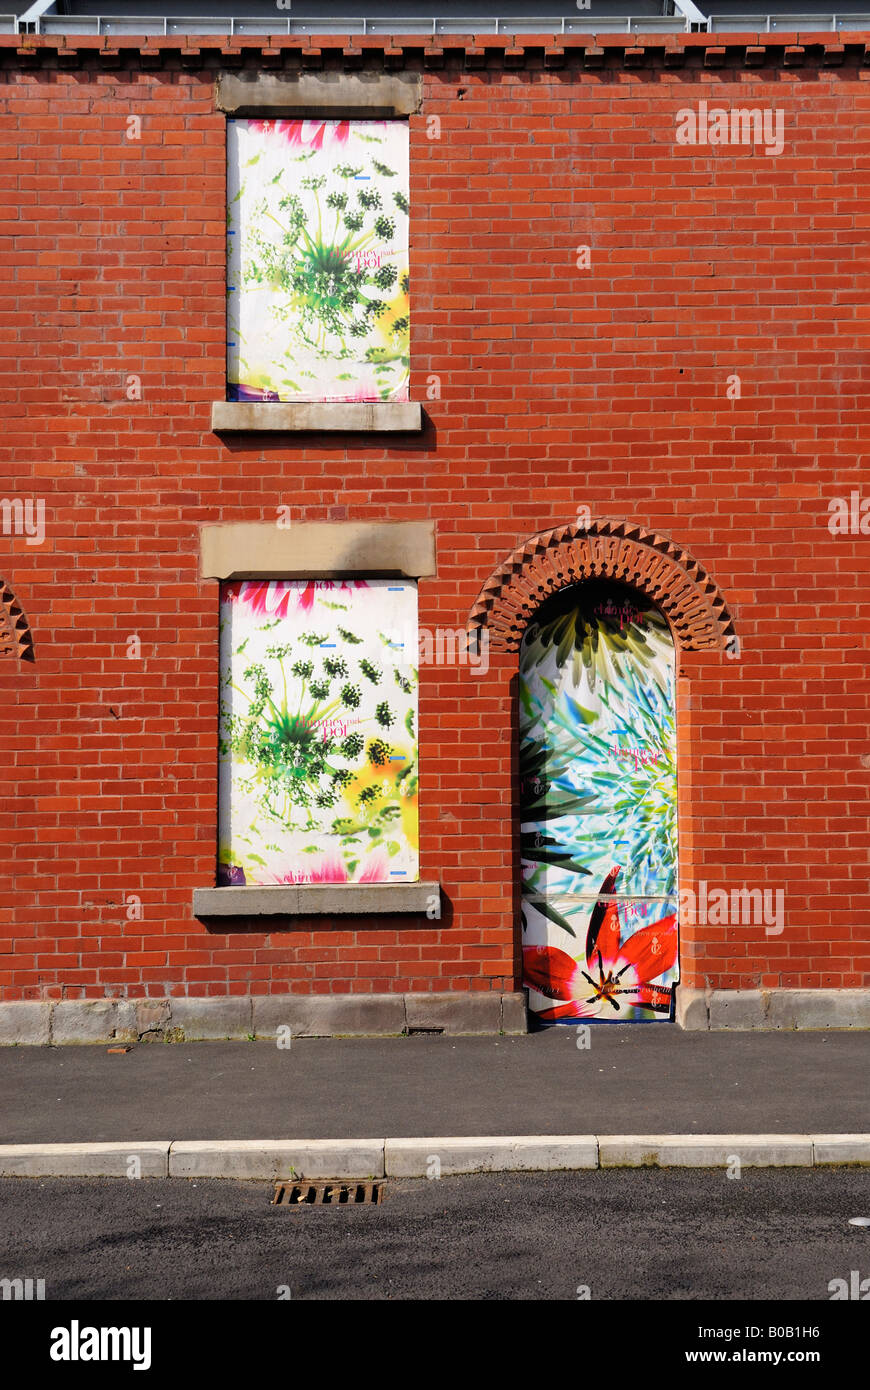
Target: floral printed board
599,808
318,732
317,223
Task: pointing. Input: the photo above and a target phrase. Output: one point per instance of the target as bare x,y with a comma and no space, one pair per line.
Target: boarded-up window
317,223
318,732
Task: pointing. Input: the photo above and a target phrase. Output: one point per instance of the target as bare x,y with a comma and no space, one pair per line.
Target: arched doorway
16,639
598,798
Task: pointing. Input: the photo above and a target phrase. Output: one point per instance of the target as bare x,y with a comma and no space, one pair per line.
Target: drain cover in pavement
328,1194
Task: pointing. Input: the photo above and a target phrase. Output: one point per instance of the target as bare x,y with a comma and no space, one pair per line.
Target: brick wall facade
547,388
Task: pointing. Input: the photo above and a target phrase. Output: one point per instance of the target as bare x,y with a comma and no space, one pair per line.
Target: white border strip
360,1159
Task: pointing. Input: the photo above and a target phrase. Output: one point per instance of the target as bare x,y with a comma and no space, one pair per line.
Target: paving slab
440,1157
735,1151
136,1159
841,1148
277,1158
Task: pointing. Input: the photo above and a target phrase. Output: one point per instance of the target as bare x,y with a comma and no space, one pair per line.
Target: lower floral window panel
318,732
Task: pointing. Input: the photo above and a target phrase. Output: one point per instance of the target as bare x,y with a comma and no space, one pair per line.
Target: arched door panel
598,797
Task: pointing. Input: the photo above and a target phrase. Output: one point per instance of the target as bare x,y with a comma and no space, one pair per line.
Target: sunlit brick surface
585,292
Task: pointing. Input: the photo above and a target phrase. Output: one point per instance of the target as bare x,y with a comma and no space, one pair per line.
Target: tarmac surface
677,1235
634,1079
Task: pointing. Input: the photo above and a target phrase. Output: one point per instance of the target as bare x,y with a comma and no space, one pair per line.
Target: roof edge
412,51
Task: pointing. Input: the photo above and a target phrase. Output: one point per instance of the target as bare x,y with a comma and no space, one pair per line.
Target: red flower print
273,598
299,134
332,869
618,973
268,597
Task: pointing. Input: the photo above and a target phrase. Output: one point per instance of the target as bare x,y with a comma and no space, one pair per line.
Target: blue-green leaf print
598,807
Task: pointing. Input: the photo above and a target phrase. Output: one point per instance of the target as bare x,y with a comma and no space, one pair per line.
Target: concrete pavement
357,1108
632,1080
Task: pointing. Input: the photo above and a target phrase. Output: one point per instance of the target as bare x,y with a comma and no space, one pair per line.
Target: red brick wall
559,387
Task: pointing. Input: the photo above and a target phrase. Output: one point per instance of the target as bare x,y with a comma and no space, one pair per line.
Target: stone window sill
323,416
315,899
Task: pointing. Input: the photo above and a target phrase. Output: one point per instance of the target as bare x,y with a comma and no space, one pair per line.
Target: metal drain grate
328,1194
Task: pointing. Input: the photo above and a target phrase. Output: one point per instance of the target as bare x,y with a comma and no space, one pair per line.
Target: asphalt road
651,1235
632,1079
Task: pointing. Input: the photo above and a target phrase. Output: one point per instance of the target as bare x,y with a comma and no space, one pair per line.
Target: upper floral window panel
317,221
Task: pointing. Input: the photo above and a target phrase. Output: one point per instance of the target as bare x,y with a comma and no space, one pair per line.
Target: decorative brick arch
650,563
15,636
